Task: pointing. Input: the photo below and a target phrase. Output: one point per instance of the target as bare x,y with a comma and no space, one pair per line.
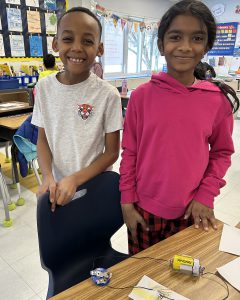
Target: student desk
197,243
8,126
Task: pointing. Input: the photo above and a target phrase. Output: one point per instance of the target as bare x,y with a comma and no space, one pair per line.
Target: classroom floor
21,275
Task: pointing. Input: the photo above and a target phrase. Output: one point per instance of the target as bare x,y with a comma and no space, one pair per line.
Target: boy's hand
132,218
48,185
66,188
201,214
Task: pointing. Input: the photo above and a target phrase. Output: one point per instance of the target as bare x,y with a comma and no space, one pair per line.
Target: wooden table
13,122
197,243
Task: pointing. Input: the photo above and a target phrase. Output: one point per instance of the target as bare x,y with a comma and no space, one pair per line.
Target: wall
151,9
229,15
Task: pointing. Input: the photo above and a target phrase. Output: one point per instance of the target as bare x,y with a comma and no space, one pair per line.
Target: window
134,51
128,51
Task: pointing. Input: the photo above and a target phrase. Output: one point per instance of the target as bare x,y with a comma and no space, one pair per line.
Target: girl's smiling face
184,45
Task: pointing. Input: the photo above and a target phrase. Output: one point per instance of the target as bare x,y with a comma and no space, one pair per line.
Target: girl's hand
132,218
201,214
66,188
48,185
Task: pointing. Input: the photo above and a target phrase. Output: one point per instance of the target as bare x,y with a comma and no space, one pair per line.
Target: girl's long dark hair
227,90
200,73
201,12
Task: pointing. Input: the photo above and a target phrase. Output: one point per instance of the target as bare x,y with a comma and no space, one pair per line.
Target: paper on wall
14,19
2,51
33,20
17,45
34,3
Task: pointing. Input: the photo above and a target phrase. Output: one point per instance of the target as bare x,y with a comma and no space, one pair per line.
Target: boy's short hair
49,61
84,10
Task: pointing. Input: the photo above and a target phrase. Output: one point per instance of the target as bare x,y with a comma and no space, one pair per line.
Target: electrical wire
160,294
225,286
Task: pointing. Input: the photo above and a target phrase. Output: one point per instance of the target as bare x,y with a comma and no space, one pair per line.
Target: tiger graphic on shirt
85,110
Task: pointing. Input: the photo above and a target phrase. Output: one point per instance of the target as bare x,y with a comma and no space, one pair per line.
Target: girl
168,171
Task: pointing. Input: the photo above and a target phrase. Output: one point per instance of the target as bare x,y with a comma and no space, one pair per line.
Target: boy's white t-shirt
75,119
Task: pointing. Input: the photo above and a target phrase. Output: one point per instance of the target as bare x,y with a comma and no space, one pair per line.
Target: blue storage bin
9,84
33,79
19,78
25,80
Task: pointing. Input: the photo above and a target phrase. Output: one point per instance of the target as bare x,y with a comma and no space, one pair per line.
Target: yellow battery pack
186,264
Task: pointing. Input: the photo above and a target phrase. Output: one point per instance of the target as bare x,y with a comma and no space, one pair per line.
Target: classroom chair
25,140
75,239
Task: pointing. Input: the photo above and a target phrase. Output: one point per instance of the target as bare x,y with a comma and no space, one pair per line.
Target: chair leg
36,172
30,168
6,201
21,200
7,159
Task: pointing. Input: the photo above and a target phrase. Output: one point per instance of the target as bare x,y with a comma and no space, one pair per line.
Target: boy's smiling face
78,43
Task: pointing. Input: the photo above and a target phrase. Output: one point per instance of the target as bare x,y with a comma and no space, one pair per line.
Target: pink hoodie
166,160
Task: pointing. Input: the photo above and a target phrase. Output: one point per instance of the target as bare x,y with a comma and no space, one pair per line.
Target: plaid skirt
159,229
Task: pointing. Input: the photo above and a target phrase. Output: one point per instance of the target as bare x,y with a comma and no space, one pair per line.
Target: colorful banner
33,20
36,46
14,19
225,40
17,45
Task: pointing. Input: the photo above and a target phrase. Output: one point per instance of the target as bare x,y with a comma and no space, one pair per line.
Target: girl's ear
160,47
100,50
55,44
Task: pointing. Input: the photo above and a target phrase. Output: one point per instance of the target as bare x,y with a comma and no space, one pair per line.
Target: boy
78,114
49,65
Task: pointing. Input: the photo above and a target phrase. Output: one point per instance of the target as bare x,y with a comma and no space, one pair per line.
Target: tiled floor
21,276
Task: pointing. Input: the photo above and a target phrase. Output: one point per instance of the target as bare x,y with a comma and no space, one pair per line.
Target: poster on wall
51,23
225,39
33,20
2,51
17,45
36,46
14,19
17,2
33,3
113,42
237,44
49,46
50,4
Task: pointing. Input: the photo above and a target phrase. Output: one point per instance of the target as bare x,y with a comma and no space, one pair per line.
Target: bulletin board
27,27
225,39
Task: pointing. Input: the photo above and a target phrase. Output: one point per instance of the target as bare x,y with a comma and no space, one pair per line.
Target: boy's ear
160,47
100,50
55,44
